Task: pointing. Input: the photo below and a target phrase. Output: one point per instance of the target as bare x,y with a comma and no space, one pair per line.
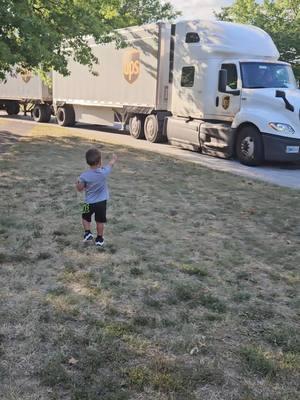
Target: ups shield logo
131,65
26,75
226,102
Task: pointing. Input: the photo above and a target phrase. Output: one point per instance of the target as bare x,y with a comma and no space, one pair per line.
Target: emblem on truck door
131,65
225,102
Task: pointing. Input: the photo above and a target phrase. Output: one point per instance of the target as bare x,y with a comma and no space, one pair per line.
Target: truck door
227,104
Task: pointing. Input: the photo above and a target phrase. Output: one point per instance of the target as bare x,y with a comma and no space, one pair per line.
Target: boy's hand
79,186
113,160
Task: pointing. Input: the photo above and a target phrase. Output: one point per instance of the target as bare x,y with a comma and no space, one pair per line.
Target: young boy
93,181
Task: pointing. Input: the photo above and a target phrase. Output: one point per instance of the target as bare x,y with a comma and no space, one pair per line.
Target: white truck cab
230,95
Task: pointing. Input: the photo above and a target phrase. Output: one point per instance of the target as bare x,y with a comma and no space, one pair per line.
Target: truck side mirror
288,105
222,80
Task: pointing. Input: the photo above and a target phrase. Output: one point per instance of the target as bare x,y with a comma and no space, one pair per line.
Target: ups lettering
132,69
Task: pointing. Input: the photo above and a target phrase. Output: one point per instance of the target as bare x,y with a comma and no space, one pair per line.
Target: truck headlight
280,127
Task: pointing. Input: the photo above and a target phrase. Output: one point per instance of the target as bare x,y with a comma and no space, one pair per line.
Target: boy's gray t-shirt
95,183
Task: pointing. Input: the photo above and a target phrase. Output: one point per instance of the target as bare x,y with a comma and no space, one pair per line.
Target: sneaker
99,241
87,237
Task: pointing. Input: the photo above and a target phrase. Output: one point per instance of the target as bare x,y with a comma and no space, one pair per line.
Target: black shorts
99,209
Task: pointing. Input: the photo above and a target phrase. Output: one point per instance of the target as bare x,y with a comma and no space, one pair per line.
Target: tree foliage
280,18
44,33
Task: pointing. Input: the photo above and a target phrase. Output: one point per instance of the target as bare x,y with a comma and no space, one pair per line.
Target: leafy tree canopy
44,33
280,18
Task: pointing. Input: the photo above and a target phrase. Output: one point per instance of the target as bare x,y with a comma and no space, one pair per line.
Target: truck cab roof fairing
230,40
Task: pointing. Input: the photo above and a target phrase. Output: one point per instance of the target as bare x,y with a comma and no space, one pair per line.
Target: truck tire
136,126
65,116
12,108
249,146
41,113
153,128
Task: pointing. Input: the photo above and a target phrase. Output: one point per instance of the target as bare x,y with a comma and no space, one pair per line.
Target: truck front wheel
65,116
136,127
153,129
249,146
12,108
41,113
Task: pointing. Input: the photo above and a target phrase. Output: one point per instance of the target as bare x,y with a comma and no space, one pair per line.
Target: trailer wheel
136,126
41,113
153,128
65,116
12,108
249,146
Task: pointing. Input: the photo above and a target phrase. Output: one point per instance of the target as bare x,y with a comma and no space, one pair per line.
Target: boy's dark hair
93,157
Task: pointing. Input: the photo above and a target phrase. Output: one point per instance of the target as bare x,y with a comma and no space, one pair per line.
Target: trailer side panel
24,87
124,77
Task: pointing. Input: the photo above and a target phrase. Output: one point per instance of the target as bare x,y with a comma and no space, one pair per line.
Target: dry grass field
194,297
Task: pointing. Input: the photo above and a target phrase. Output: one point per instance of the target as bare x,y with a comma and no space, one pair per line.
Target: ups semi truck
209,86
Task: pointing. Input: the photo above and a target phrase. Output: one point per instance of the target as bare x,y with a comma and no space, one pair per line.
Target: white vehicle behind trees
209,86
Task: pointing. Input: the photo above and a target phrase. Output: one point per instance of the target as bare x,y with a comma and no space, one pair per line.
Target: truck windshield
257,75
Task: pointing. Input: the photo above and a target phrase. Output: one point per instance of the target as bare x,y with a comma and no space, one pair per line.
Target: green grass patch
240,297
213,303
54,372
136,271
256,361
193,270
119,329
285,337
258,312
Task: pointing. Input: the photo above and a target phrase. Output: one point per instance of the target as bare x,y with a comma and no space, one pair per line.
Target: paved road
287,175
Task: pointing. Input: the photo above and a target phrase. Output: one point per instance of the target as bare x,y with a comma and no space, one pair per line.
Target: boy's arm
107,168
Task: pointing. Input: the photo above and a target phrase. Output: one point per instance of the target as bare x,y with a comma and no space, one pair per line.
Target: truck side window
187,76
231,75
192,37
